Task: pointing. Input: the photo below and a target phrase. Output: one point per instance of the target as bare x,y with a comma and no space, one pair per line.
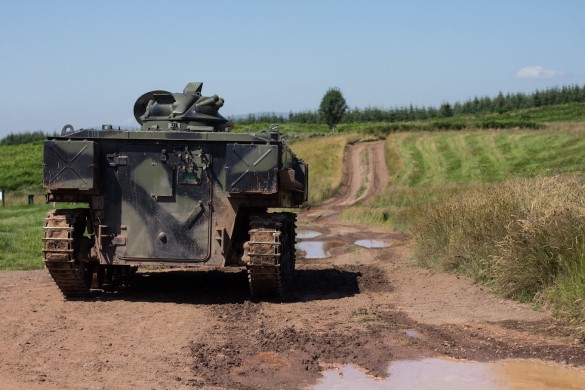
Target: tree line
478,105
23,138
333,110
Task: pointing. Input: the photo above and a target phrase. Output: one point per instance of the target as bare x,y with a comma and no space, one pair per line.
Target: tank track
66,251
270,254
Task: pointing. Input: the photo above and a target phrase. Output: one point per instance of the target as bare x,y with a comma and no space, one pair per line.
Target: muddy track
199,329
364,175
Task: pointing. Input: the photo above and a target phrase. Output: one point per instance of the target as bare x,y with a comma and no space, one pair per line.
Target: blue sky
85,63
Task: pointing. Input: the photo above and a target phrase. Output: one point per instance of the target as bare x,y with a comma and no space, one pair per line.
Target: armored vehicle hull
191,194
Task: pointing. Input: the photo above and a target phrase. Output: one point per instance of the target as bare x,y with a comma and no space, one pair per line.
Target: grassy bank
505,208
325,158
524,237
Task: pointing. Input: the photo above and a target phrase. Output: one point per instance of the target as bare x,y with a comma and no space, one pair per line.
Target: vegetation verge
504,207
523,237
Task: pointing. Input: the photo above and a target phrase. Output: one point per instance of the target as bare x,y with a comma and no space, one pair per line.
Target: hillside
526,118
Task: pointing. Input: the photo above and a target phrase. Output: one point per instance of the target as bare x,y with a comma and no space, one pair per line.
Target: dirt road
178,329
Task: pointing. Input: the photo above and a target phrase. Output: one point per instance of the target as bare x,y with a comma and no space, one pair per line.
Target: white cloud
538,72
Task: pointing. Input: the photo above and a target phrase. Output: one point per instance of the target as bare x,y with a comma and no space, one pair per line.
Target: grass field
483,156
504,207
20,236
21,167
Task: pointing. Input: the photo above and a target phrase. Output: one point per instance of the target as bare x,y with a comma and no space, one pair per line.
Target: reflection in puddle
372,243
453,374
306,234
313,249
318,249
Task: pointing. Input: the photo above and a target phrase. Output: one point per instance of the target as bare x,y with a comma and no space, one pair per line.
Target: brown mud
179,329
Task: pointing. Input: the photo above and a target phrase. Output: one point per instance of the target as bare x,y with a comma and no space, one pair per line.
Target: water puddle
412,334
307,234
313,249
372,244
318,249
454,374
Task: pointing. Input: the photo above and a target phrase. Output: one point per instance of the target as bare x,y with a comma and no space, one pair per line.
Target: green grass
21,236
426,166
483,156
556,113
21,167
504,207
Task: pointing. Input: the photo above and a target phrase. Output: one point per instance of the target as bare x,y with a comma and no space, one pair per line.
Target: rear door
166,195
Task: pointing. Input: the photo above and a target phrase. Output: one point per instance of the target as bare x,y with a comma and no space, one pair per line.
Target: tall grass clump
523,237
458,233
395,207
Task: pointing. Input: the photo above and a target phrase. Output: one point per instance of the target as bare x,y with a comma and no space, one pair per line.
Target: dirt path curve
365,174
199,329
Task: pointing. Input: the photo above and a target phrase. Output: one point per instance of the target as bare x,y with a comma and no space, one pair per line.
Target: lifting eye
162,237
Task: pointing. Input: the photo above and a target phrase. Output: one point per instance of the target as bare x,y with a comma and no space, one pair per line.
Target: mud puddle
455,374
317,249
307,234
313,249
413,334
370,244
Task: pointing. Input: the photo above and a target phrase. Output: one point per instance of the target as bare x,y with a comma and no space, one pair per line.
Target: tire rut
365,175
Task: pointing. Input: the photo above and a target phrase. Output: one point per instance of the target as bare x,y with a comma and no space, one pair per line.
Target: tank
184,190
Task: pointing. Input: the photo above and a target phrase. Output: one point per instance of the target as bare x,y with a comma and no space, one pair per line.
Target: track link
65,251
270,254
